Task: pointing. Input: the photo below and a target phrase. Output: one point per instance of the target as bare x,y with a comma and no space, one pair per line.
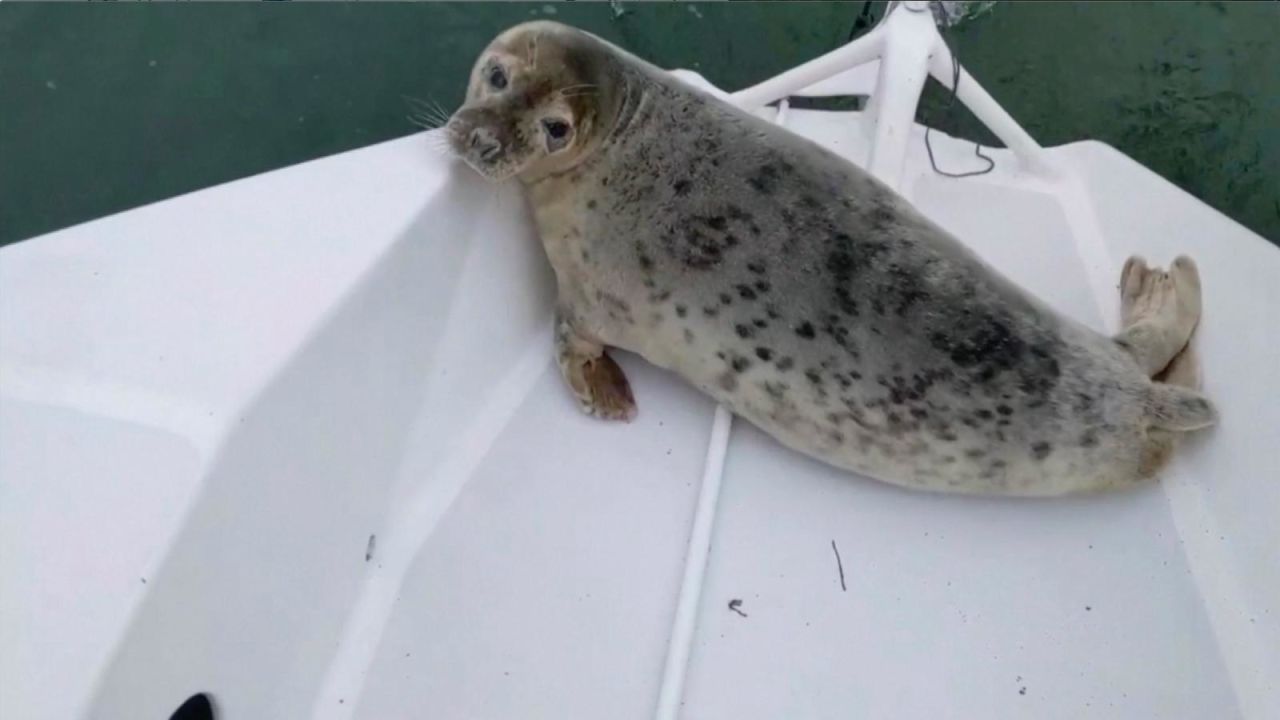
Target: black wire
860,23
951,104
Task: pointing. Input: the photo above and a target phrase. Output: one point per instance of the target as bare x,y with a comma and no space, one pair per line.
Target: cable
951,103
860,23
863,22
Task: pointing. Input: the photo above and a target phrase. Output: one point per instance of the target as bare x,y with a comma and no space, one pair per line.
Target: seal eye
497,77
556,129
557,132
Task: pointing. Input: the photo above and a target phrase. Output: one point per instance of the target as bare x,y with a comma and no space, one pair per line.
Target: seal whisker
441,149
440,140
422,122
440,111
429,121
427,114
414,103
439,143
440,114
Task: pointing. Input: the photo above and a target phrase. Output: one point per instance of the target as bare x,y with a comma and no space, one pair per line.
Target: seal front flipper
597,382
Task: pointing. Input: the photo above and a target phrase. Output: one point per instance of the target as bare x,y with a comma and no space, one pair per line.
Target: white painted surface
227,393
146,357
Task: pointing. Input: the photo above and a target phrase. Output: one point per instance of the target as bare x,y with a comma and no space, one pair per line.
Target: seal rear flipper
1171,407
1159,311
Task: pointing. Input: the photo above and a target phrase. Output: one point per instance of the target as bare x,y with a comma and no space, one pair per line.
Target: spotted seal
805,295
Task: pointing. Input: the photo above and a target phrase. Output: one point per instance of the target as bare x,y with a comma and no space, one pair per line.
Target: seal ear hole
196,707
497,77
558,132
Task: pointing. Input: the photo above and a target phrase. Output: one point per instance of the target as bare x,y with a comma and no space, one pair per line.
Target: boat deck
297,441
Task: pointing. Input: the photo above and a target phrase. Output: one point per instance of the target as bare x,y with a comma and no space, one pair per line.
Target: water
950,14
107,107
1184,88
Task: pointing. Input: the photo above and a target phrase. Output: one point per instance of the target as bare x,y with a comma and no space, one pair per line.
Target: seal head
533,107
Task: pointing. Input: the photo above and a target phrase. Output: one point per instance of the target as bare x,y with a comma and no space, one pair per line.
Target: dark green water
104,107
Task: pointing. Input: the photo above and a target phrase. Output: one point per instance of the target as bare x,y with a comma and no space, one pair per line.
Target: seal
805,295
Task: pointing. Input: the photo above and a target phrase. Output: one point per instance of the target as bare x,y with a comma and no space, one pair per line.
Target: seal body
809,298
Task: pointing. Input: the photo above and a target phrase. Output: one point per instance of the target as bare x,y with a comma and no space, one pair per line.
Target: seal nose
484,143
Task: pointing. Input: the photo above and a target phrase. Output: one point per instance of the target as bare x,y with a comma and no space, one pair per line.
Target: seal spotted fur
805,295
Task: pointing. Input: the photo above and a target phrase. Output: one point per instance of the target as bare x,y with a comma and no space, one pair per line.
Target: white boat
296,444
